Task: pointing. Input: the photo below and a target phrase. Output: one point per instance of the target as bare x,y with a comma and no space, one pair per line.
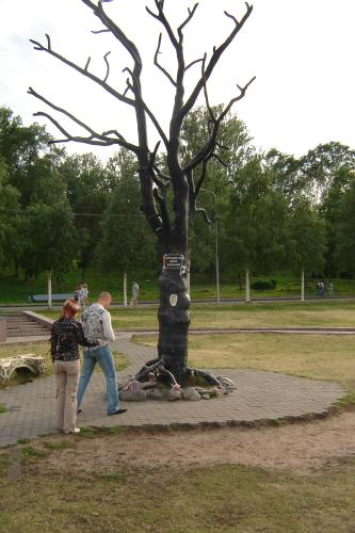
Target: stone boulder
155,394
190,394
133,396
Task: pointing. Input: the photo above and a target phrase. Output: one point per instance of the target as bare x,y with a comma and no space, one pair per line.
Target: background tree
256,232
9,216
342,212
237,149
88,193
172,231
321,164
51,238
126,247
306,239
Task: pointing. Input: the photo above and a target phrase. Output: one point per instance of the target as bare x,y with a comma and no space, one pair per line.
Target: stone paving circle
260,396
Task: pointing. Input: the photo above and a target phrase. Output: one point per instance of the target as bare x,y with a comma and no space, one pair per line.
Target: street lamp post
215,221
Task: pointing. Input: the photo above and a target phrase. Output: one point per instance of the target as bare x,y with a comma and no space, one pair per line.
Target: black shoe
80,411
118,412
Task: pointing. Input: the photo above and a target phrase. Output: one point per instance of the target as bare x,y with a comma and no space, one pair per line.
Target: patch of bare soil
299,447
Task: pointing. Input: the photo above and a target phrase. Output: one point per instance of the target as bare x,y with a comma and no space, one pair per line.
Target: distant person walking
83,295
321,289
66,336
96,321
135,294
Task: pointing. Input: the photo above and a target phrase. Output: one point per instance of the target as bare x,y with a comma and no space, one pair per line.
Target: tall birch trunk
125,301
302,285
49,289
247,286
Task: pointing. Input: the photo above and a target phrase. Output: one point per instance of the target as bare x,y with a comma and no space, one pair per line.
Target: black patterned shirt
66,336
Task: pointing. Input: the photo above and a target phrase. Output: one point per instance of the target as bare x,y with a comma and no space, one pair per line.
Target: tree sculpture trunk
174,322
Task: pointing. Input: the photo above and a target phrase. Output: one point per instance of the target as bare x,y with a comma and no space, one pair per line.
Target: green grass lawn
282,314
228,498
18,290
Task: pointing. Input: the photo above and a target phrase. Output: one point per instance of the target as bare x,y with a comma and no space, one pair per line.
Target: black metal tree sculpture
169,224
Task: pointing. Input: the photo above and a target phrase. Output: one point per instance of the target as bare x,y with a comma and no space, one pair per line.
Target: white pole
49,288
217,266
247,286
188,277
125,289
302,286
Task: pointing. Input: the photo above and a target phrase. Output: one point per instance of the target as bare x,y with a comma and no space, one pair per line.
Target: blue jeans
103,356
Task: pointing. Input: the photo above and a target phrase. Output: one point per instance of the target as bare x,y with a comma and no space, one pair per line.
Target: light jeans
103,356
67,375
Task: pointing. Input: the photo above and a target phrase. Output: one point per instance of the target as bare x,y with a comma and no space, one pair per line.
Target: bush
264,285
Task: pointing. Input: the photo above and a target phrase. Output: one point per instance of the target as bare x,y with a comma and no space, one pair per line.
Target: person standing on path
135,294
96,321
66,335
83,295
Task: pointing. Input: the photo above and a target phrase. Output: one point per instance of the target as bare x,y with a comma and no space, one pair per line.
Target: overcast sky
301,51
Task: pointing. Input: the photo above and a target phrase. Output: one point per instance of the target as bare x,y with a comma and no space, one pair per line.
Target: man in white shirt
96,321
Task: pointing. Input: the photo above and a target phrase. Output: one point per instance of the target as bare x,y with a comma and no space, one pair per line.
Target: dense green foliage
274,211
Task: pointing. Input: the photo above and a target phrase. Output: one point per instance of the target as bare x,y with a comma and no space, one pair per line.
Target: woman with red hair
66,336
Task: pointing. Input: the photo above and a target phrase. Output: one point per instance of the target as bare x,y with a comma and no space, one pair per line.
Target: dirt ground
301,447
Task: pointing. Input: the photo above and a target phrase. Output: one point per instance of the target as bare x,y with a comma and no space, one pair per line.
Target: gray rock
133,396
155,394
226,382
191,394
173,395
205,396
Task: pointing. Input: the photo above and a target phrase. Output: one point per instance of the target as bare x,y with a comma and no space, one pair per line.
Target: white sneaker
75,430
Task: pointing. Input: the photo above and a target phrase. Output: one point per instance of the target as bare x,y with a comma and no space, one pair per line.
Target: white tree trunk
302,286
49,288
125,289
217,266
247,286
188,278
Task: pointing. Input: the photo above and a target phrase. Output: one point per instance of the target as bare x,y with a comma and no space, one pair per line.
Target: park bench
38,298
27,362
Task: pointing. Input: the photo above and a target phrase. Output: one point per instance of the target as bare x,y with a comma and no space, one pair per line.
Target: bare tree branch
87,64
164,213
96,32
160,67
102,138
163,20
217,53
135,88
187,20
86,140
107,67
193,63
84,72
220,160
202,177
114,29
209,108
161,174
207,151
